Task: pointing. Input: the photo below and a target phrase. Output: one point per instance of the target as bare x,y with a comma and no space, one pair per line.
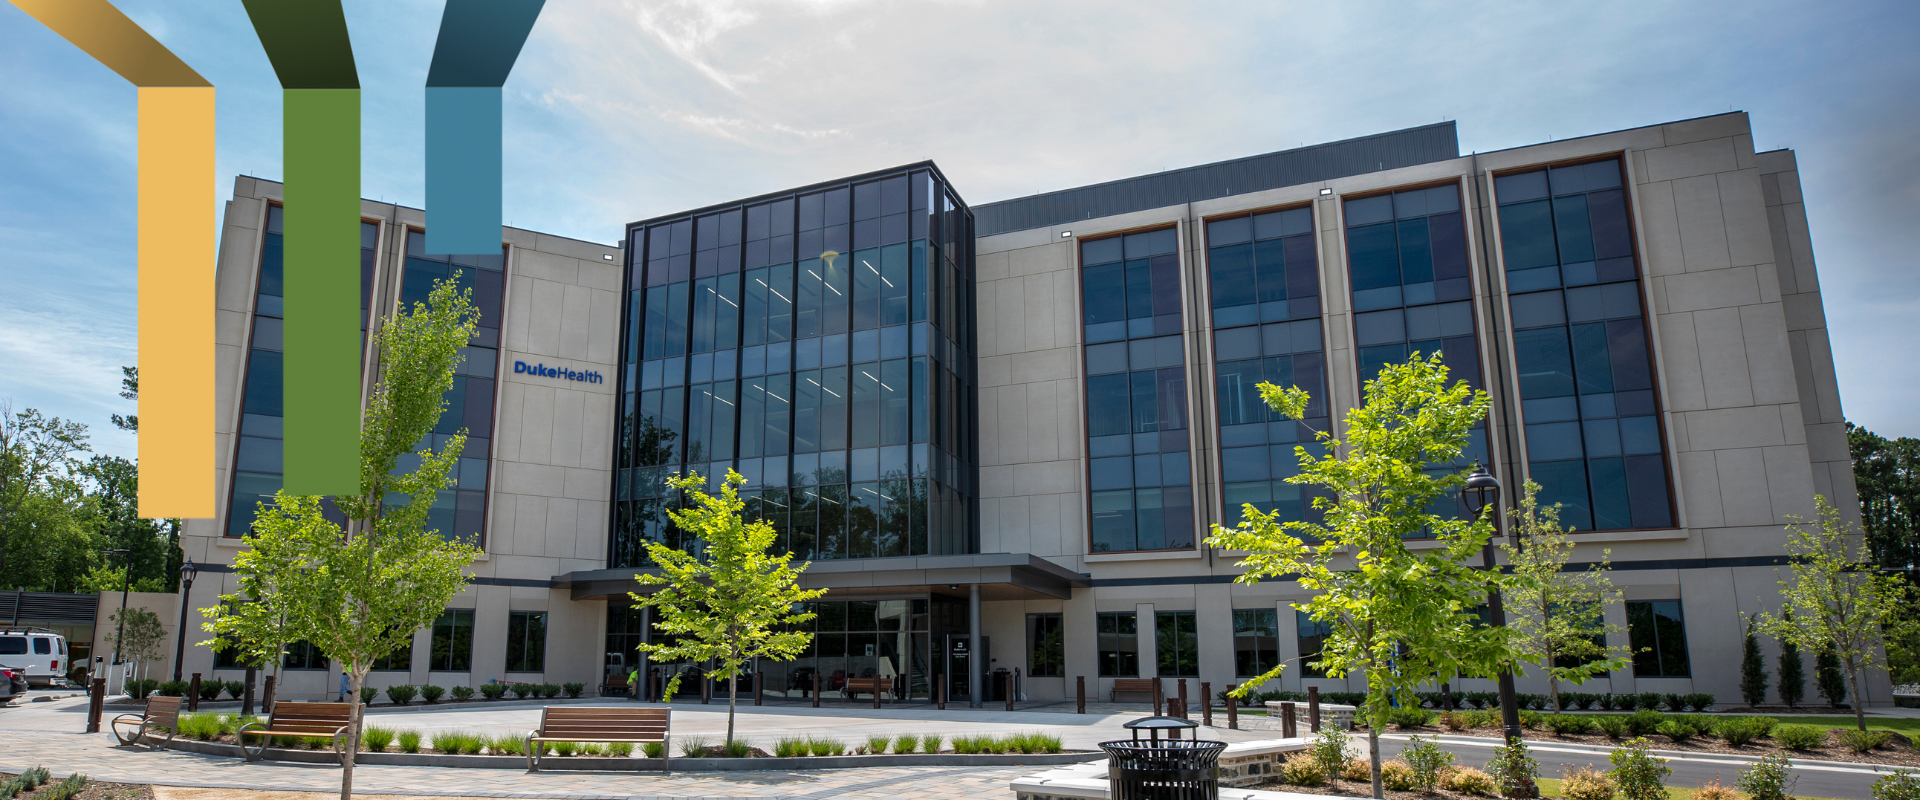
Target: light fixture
1326,191
607,256
1066,234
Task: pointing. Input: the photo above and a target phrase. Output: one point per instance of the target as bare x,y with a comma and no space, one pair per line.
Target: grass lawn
1906,726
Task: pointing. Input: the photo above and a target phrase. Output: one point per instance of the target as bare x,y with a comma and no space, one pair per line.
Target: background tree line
1887,472
63,507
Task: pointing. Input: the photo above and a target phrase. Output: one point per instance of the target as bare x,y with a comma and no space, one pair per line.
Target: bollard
816,688
1289,726
1080,694
1446,697
876,692
1183,697
941,696
1158,696
1007,684
1206,704
1233,709
266,694
759,687
94,703
1313,709
193,693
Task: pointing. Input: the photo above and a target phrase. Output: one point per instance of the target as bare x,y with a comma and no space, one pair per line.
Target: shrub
1699,702
1357,769
521,690
1767,779
1410,717
138,689
367,693
790,747
64,790
1901,784
1604,701
549,690
906,743
1537,702
620,749
375,738
204,727
457,742
1427,761
1677,730
1644,722
1569,725
1396,776
409,741
653,749
1715,790
1637,773
1742,730
317,742
27,779
1648,700
1675,703
493,691
566,750
1032,742
461,692
1479,719
402,694
1454,721
1468,781
1799,737
877,745
1516,772
236,689
1585,700
432,693
971,745
574,689
694,746
1860,741
1330,749
173,689
930,743
825,747
1586,783
507,744
1532,720
1305,770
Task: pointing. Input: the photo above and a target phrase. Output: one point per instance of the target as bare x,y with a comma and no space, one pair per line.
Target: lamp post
125,587
1482,492
187,571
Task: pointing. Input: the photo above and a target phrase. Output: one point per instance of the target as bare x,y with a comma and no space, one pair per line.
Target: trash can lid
1160,723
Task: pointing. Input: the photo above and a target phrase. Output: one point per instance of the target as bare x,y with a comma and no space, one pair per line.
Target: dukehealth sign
544,371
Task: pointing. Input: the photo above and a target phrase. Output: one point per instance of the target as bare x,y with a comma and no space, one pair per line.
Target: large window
1311,636
400,660
1256,641
805,342
1592,415
1266,315
526,641
461,511
452,641
1176,644
1139,470
303,655
1119,645
1046,646
1658,634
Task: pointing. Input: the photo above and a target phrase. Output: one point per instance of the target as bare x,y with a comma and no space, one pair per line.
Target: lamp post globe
1481,493
187,571
1481,490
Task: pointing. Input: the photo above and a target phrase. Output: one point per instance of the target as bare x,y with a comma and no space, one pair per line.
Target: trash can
1163,769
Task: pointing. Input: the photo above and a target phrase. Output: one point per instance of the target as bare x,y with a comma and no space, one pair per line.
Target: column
976,672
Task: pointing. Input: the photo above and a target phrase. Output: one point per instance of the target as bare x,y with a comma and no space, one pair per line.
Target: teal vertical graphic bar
463,169
322,380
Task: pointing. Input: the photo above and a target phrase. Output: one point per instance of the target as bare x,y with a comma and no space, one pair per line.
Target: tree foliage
1833,604
1887,474
730,601
45,542
136,634
1403,617
1753,668
1561,614
1793,671
357,594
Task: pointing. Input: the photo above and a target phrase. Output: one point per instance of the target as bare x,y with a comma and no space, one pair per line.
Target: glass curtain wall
1587,395
1138,465
816,343
1265,280
461,511
859,639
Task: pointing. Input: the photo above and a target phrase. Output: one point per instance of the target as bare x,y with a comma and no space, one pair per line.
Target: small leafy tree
1834,605
1403,618
358,594
1561,622
731,602
1793,671
136,634
1753,669
1827,679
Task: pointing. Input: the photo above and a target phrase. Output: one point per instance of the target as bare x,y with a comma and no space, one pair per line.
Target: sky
620,110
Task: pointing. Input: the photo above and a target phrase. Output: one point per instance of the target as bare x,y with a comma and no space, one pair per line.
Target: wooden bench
161,712
633,724
1133,686
859,686
614,685
329,720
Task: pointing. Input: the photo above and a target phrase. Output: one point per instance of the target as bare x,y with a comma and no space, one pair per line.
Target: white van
42,654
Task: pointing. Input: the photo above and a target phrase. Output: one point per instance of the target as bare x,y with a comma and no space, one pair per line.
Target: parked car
39,653
13,684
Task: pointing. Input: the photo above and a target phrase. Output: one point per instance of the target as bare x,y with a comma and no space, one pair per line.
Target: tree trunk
1553,686
1373,743
1859,700
733,696
353,737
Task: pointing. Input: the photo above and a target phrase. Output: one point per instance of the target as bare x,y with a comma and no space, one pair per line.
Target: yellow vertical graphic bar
177,223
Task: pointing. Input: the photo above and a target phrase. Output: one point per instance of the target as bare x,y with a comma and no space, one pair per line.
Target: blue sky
622,109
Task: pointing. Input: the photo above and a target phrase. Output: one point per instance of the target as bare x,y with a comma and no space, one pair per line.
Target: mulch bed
1899,751
99,790
1365,789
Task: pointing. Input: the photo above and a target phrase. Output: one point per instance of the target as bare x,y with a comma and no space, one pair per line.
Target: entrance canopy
1001,576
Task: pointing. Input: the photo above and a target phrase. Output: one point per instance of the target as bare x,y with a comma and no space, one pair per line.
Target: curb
605,764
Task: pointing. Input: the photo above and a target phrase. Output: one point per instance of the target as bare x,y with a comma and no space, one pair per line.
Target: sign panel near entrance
544,371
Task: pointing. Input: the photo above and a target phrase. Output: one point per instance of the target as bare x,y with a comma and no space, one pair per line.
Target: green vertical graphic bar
322,379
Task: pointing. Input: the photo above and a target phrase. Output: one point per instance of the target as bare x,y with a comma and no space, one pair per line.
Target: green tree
1832,604
126,492
357,594
730,601
1827,679
1887,473
45,542
1753,669
135,633
1793,672
112,511
129,389
1402,617
1561,620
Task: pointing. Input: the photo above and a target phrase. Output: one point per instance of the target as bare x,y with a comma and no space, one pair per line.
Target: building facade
1002,432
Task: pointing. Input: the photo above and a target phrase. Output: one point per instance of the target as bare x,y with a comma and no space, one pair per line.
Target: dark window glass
303,655
1176,644
526,641
1256,641
1119,645
1312,636
452,641
1657,632
400,660
1046,646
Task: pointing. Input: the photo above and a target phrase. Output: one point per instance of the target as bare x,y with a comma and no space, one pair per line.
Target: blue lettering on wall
544,371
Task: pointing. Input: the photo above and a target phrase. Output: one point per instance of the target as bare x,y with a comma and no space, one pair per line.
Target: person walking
345,686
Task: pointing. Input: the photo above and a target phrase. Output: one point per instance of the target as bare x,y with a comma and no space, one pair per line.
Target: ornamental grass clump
877,745
822,746
620,749
693,746
736,748
930,743
409,741
790,747
507,744
375,738
653,749
906,743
